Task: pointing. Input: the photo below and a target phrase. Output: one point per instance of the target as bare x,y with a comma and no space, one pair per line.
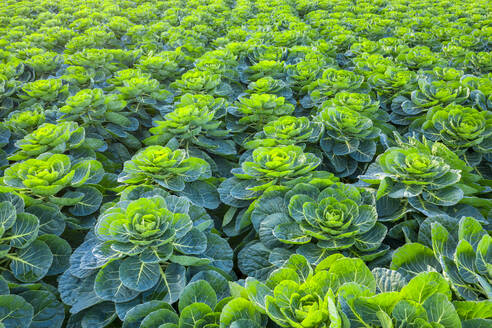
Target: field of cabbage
245,164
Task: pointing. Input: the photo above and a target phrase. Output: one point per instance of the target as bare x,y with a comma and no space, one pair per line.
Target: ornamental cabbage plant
287,130
426,173
266,167
338,217
174,171
463,129
141,250
195,125
348,139
49,138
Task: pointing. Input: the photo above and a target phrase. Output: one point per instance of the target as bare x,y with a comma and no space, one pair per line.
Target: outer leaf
197,292
32,263
15,311
441,310
24,230
48,311
109,286
138,275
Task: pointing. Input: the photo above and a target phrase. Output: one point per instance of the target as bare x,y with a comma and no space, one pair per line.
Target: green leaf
138,275
68,199
465,261
413,258
32,263
159,318
51,220
444,197
253,261
290,233
136,315
371,239
441,310
109,286
197,292
257,292
425,285
48,311
300,265
201,193
192,314
173,281
61,251
90,202
473,309
100,315
471,231
15,312
347,270
484,255
388,280
188,260
117,119
7,215
24,231
194,242
238,309
407,311
86,172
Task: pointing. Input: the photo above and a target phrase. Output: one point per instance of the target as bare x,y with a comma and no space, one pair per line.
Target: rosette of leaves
254,112
271,86
141,91
79,76
56,179
173,170
46,92
49,138
460,249
201,82
332,81
370,64
195,123
302,74
481,91
264,68
391,83
258,53
165,66
143,249
364,47
420,57
45,63
298,295
23,122
429,94
359,102
481,61
103,116
25,247
463,129
29,305
425,301
349,139
426,173
287,130
12,75
339,217
266,167
99,61
222,65
200,305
